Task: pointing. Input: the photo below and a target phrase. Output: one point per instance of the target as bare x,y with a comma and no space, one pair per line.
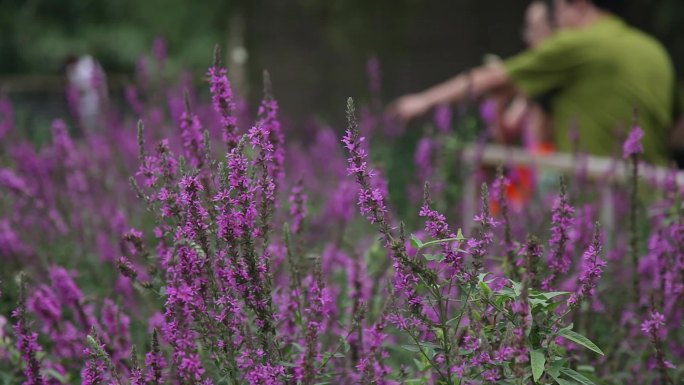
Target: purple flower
160,51
116,330
64,285
370,365
443,117
268,119
371,201
92,373
260,139
423,159
491,375
10,242
222,99
372,204
533,254
436,226
298,209
134,100
266,374
653,324
562,221
592,269
46,306
505,353
193,140
154,362
633,145
136,377
488,111
318,299
27,342
13,182
477,245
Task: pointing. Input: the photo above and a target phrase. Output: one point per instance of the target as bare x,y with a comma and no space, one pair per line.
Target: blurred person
86,90
517,119
538,23
523,115
593,72
518,115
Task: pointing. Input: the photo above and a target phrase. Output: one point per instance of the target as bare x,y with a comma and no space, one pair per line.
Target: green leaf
536,301
481,277
506,292
453,320
417,243
411,348
568,327
579,339
430,345
459,235
554,372
485,289
56,375
537,360
553,294
576,376
553,306
438,241
517,288
561,381
434,257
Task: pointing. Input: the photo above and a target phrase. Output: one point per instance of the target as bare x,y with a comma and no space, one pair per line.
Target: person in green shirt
593,73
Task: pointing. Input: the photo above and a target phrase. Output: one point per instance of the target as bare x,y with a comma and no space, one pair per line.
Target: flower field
192,240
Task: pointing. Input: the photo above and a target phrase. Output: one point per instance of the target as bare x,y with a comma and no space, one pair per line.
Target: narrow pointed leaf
576,376
537,360
580,339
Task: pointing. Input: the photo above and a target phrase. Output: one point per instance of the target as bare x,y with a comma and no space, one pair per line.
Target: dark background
316,50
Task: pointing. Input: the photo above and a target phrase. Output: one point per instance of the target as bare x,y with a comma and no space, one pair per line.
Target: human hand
409,107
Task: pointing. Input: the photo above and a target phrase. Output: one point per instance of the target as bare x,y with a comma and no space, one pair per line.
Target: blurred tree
38,35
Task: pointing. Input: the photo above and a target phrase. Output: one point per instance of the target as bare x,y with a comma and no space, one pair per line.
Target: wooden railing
47,83
609,172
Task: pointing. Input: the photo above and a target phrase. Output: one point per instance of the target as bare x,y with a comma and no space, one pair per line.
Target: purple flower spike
591,272
633,145
653,324
437,227
222,100
371,200
27,342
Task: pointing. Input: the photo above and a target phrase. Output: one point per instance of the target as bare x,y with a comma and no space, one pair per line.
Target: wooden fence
611,173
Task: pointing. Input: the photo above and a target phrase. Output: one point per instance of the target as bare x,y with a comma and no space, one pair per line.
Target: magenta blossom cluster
633,145
437,227
371,201
223,102
592,268
561,253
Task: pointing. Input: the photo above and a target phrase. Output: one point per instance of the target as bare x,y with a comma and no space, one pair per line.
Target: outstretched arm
478,81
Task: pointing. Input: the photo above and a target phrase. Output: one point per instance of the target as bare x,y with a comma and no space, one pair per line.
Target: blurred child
87,90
